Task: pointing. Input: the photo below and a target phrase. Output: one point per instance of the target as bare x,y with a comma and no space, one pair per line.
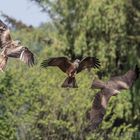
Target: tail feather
70,82
98,84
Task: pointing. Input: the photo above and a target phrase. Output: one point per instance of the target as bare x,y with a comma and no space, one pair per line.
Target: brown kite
12,48
108,89
71,68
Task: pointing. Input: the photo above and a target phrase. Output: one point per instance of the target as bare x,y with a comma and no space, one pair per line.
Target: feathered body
71,68
12,48
109,89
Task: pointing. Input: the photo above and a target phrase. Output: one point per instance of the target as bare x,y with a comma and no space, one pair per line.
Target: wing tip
44,63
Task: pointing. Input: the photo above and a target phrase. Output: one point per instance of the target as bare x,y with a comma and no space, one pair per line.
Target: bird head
76,62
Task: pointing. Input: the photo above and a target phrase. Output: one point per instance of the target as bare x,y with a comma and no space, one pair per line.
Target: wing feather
124,81
88,62
27,57
97,112
4,34
62,62
109,89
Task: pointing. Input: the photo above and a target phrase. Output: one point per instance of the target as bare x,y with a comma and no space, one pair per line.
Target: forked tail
70,82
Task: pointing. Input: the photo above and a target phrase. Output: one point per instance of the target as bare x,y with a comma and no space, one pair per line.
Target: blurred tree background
33,106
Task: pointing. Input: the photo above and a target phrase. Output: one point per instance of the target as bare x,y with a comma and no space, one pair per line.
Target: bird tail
98,84
70,82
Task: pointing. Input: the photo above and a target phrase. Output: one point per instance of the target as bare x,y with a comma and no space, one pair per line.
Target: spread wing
97,112
125,81
11,48
88,62
62,62
27,57
23,53
109,89
118,82
4,34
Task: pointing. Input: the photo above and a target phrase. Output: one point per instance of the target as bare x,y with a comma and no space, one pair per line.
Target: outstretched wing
97,112
62,62
5,36
88,62
125,81
109,89
27,57
23,53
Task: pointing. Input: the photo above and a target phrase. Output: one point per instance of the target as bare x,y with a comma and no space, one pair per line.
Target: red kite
11,48
108,89
71,68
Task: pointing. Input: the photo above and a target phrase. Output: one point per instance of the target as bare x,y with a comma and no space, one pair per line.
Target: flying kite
108,89
71,68
12,48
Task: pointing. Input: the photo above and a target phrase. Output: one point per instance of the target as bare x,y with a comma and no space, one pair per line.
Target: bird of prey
71,68
12,48
108,89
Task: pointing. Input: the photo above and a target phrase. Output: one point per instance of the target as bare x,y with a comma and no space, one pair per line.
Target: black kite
71,68
11,48
108,89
